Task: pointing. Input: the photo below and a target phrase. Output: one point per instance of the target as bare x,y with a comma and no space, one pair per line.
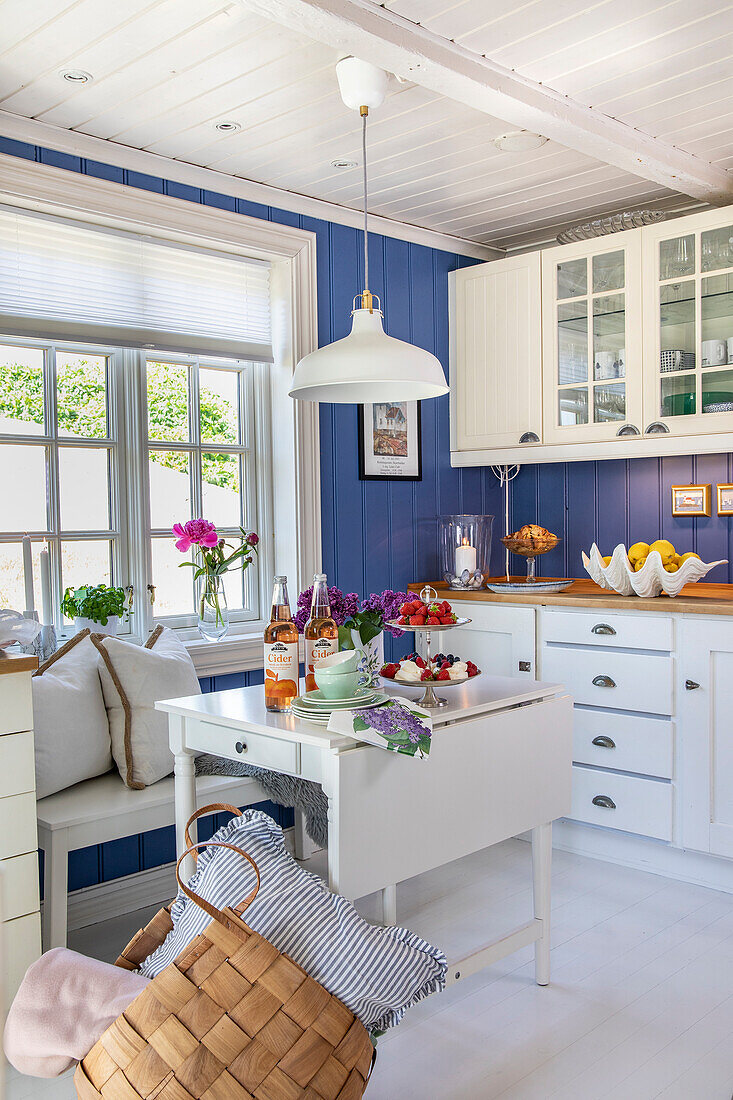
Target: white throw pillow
71,731
133,679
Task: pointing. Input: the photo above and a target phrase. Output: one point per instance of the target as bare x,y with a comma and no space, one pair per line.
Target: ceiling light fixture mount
344,162
520,141
76,76
367,365
228,126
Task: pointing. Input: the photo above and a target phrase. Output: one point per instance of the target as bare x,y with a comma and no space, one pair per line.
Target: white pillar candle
465,558
28,574
46,607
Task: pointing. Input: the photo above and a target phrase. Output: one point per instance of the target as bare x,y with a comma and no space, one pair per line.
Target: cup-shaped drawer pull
602,628
241,747
604,802
604,682
604,742
691,685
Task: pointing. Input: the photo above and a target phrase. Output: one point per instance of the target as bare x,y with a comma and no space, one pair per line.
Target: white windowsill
237,654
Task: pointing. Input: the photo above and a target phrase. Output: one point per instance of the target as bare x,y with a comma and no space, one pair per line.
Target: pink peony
198,532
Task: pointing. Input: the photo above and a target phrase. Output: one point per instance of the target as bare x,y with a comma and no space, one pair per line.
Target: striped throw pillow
377,972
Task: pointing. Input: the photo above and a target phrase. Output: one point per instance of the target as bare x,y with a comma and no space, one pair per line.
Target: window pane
21,391
677,257
173,585
84,488
170,488
221,489
717,391
573,406
81,394
234,588
22,487
717,248
608,271
87,562
168,402
572,278
572,342
609,403
678,395
219,400
12,581
609,337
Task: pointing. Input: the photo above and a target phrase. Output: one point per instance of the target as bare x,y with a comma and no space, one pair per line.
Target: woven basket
232,1018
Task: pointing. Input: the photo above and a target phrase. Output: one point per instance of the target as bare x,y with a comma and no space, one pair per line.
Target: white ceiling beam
374,34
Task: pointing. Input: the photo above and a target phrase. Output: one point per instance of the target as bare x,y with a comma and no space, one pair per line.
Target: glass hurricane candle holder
465,550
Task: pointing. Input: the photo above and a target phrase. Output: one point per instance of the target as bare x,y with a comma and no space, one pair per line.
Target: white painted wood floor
640,1005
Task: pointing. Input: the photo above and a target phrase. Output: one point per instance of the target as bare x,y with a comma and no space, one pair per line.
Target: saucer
317,697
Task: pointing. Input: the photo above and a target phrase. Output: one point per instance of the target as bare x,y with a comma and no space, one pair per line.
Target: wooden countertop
695,599
17,662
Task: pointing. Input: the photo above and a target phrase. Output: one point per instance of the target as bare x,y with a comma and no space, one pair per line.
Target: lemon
690,554
639,564
665,550
678,559
607,559
671,567
637,551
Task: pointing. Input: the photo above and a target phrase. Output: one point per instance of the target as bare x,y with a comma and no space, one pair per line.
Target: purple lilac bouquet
343,607
367,617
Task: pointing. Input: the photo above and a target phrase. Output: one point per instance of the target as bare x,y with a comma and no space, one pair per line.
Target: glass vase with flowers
216,557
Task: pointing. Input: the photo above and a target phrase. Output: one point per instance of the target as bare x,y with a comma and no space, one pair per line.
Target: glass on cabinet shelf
609,337
609,403
717,391
572,342
677,257
678,395
572,278
677,326
717,320
573,406
717,248
608,271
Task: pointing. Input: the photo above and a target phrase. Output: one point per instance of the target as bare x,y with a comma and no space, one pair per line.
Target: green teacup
337,685
345,660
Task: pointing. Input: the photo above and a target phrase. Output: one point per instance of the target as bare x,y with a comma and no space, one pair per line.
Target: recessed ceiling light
519,141
76,76
226,126
344,162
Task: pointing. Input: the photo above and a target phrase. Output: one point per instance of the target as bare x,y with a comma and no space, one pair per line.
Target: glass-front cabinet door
592,339
688,288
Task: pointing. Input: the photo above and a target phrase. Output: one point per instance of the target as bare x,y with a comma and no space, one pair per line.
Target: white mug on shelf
730,349
714,353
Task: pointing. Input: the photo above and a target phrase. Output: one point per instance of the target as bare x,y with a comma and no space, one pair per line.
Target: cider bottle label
281,669
316,650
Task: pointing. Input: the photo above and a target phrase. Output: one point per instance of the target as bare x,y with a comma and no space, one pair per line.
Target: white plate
303,710
317,698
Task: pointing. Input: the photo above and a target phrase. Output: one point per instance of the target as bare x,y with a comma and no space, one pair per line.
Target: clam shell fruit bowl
651,580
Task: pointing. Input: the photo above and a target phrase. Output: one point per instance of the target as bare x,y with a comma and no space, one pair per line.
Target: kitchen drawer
256,748
17,709
642,806
19,877
609,628
626,742
17,765
623,681
18,832
21,947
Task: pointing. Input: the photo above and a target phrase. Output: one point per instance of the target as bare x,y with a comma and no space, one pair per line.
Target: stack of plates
315,707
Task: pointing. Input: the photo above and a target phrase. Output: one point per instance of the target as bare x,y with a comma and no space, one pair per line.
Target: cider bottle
281,651
321,632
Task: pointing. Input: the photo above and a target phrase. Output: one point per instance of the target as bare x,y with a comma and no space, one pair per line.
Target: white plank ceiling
166,71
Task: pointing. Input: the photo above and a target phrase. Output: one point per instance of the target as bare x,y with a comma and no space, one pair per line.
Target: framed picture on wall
390,444
691,500
725,500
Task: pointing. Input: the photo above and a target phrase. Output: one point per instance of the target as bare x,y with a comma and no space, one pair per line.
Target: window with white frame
104,445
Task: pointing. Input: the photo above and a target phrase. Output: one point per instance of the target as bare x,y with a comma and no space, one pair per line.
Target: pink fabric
63,1005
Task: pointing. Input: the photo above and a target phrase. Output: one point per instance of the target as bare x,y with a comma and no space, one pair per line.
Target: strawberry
415,620
403,620
419,662
406,609
433,620
427,675
445,619
389,670
443,674
445,665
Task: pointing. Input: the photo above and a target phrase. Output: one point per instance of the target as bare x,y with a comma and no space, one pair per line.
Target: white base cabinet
653,727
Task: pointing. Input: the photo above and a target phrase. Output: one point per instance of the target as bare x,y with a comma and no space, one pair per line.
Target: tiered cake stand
430,700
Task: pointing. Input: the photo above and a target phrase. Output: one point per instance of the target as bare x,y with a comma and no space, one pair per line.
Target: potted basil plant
96,607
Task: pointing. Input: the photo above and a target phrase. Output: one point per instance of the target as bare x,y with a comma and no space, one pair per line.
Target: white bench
103,809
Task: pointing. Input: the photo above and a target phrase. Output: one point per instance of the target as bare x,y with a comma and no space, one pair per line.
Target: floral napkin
396,726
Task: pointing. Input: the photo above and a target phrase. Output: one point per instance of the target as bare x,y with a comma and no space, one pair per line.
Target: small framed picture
691,500
390,444
725,500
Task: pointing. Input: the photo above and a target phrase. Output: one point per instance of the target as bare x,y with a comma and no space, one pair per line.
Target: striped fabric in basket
377,972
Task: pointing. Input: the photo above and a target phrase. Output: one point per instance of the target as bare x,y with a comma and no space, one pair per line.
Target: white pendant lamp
367,365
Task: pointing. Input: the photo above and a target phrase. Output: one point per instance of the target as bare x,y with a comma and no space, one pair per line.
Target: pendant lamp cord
364,113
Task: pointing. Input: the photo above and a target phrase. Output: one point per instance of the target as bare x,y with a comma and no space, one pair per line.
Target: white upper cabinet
592,346
496,354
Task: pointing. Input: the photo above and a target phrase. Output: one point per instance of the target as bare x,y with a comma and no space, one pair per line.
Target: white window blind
63,277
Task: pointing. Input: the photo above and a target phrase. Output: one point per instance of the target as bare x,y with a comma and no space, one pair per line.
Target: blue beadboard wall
380,535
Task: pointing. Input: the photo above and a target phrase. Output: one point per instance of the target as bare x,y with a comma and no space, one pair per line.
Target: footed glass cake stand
430,700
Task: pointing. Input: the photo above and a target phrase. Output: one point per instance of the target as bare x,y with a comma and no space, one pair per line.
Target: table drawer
18,832
625,742
17,708
254,748
609,628
17,765
611,678
19,877
625,802
21,947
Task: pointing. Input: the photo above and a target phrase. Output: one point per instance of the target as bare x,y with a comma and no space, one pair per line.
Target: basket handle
202,903
212,808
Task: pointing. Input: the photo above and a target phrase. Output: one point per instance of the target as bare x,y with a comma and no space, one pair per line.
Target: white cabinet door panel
500,639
